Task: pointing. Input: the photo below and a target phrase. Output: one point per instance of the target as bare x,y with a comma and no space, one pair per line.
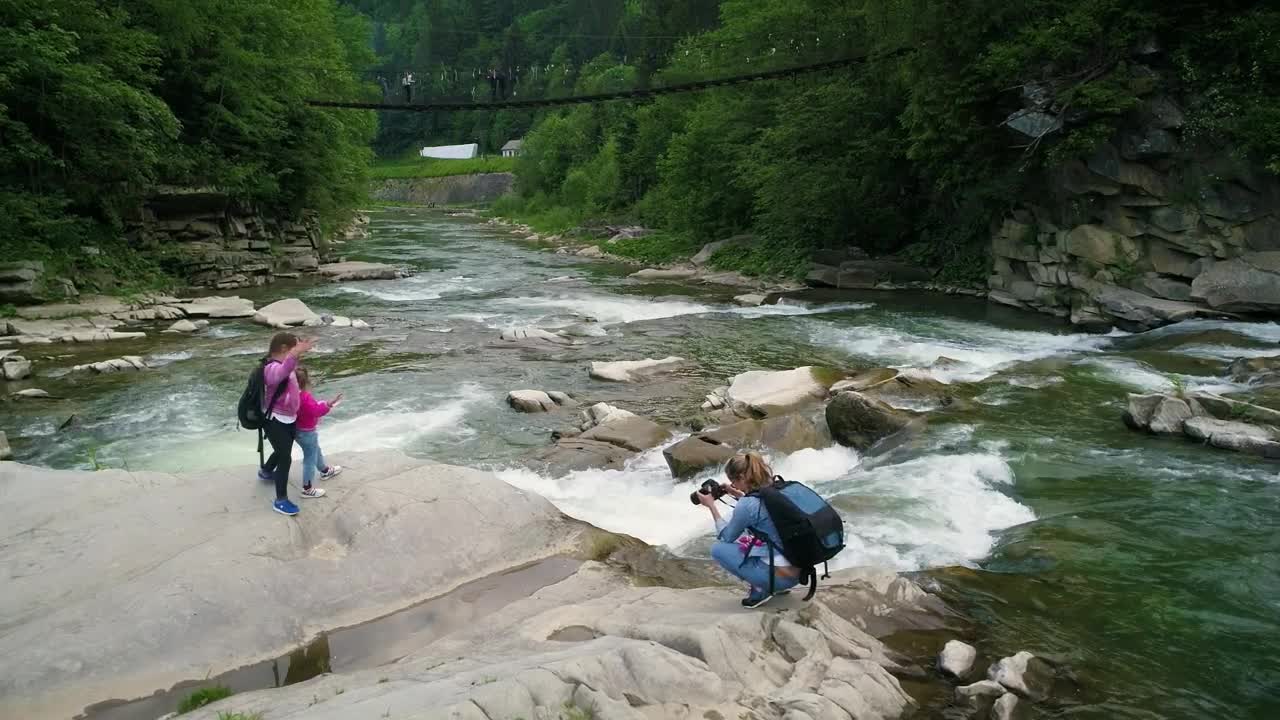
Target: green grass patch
239,716
544,217
419,167
202,697
763,258
655,249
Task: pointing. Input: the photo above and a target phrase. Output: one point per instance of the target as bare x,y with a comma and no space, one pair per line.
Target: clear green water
1148,566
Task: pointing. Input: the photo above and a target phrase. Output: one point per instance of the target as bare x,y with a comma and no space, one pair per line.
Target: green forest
904,153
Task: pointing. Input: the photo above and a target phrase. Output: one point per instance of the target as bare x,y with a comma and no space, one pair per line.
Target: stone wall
211,241
1147,230
452,190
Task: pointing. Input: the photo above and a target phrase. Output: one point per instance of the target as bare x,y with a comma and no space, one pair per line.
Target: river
1149,566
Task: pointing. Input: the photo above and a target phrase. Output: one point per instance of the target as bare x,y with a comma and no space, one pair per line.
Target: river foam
981,350
931,511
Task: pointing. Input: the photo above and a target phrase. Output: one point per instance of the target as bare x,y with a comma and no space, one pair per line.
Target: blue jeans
312,458
754,570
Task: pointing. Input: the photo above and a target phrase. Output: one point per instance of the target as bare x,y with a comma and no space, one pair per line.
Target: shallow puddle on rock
359,647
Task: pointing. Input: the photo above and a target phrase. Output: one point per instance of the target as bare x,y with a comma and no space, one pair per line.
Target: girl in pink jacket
310,410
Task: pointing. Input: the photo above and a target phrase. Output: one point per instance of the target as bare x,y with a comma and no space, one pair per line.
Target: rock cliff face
453,190
1148,230
207,239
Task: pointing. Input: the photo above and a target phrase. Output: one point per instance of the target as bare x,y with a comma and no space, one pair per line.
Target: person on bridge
407,82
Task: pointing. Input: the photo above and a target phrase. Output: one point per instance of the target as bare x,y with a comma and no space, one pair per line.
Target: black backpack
810,530
249,410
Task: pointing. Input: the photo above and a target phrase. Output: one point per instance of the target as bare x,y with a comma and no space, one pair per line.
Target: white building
451,152
512,148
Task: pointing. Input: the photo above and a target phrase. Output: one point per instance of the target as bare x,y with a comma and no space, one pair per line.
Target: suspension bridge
629,94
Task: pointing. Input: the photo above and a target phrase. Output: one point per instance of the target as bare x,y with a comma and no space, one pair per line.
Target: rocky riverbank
450,190
235,584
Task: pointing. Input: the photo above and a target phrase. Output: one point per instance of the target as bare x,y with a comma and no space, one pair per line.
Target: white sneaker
312,492
332,472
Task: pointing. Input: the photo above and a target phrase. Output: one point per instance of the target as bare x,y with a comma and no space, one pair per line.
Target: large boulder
532,336
1256,370
285,313
13,366
356,270
1247,283
634,433
766,393
211,596
531,401
575,454
1234,435
597,645
1135,311
630,371
785,434
860,422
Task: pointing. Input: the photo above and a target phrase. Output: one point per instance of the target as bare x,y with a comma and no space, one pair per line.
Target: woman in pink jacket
281,400
309,413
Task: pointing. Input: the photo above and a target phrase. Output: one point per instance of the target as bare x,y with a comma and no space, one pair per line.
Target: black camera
709,487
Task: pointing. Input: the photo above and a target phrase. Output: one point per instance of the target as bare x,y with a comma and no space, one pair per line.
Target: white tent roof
451,152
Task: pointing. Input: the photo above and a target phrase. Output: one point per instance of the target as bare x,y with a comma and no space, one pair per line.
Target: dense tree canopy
99,101
905,153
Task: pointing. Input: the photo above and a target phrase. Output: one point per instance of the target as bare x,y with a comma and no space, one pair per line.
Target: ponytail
751,468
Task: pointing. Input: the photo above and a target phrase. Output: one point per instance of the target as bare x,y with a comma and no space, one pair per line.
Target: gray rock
531,401
956,658
629,371
785,434
15,367
1005,707
591,251
1168,260
633,433
341,321
6,452
1228,409
22,282
1164,113
574,454
1134,310
602,413
768,393
979,697
1153,143
823,276
218,307
68,642
358,324
562,399
532,335
354,270
33,394
1141,409
1247,283
1098,244
183,326
1168,417
1174,218
1233,435
620,652
1024,675
860,422
1261,371
289,312
1162,287
750,300
128,363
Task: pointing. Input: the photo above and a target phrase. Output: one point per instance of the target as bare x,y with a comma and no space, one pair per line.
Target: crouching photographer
748,545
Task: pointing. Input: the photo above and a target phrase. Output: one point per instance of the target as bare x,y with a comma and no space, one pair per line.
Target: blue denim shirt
750,513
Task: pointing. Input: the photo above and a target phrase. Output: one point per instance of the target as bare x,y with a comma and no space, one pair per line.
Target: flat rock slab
137,581
217,307
620,652
664,274
762,393
356,270
634,433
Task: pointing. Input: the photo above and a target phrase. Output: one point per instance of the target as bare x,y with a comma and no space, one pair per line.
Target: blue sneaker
756,599
264,475
285,507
